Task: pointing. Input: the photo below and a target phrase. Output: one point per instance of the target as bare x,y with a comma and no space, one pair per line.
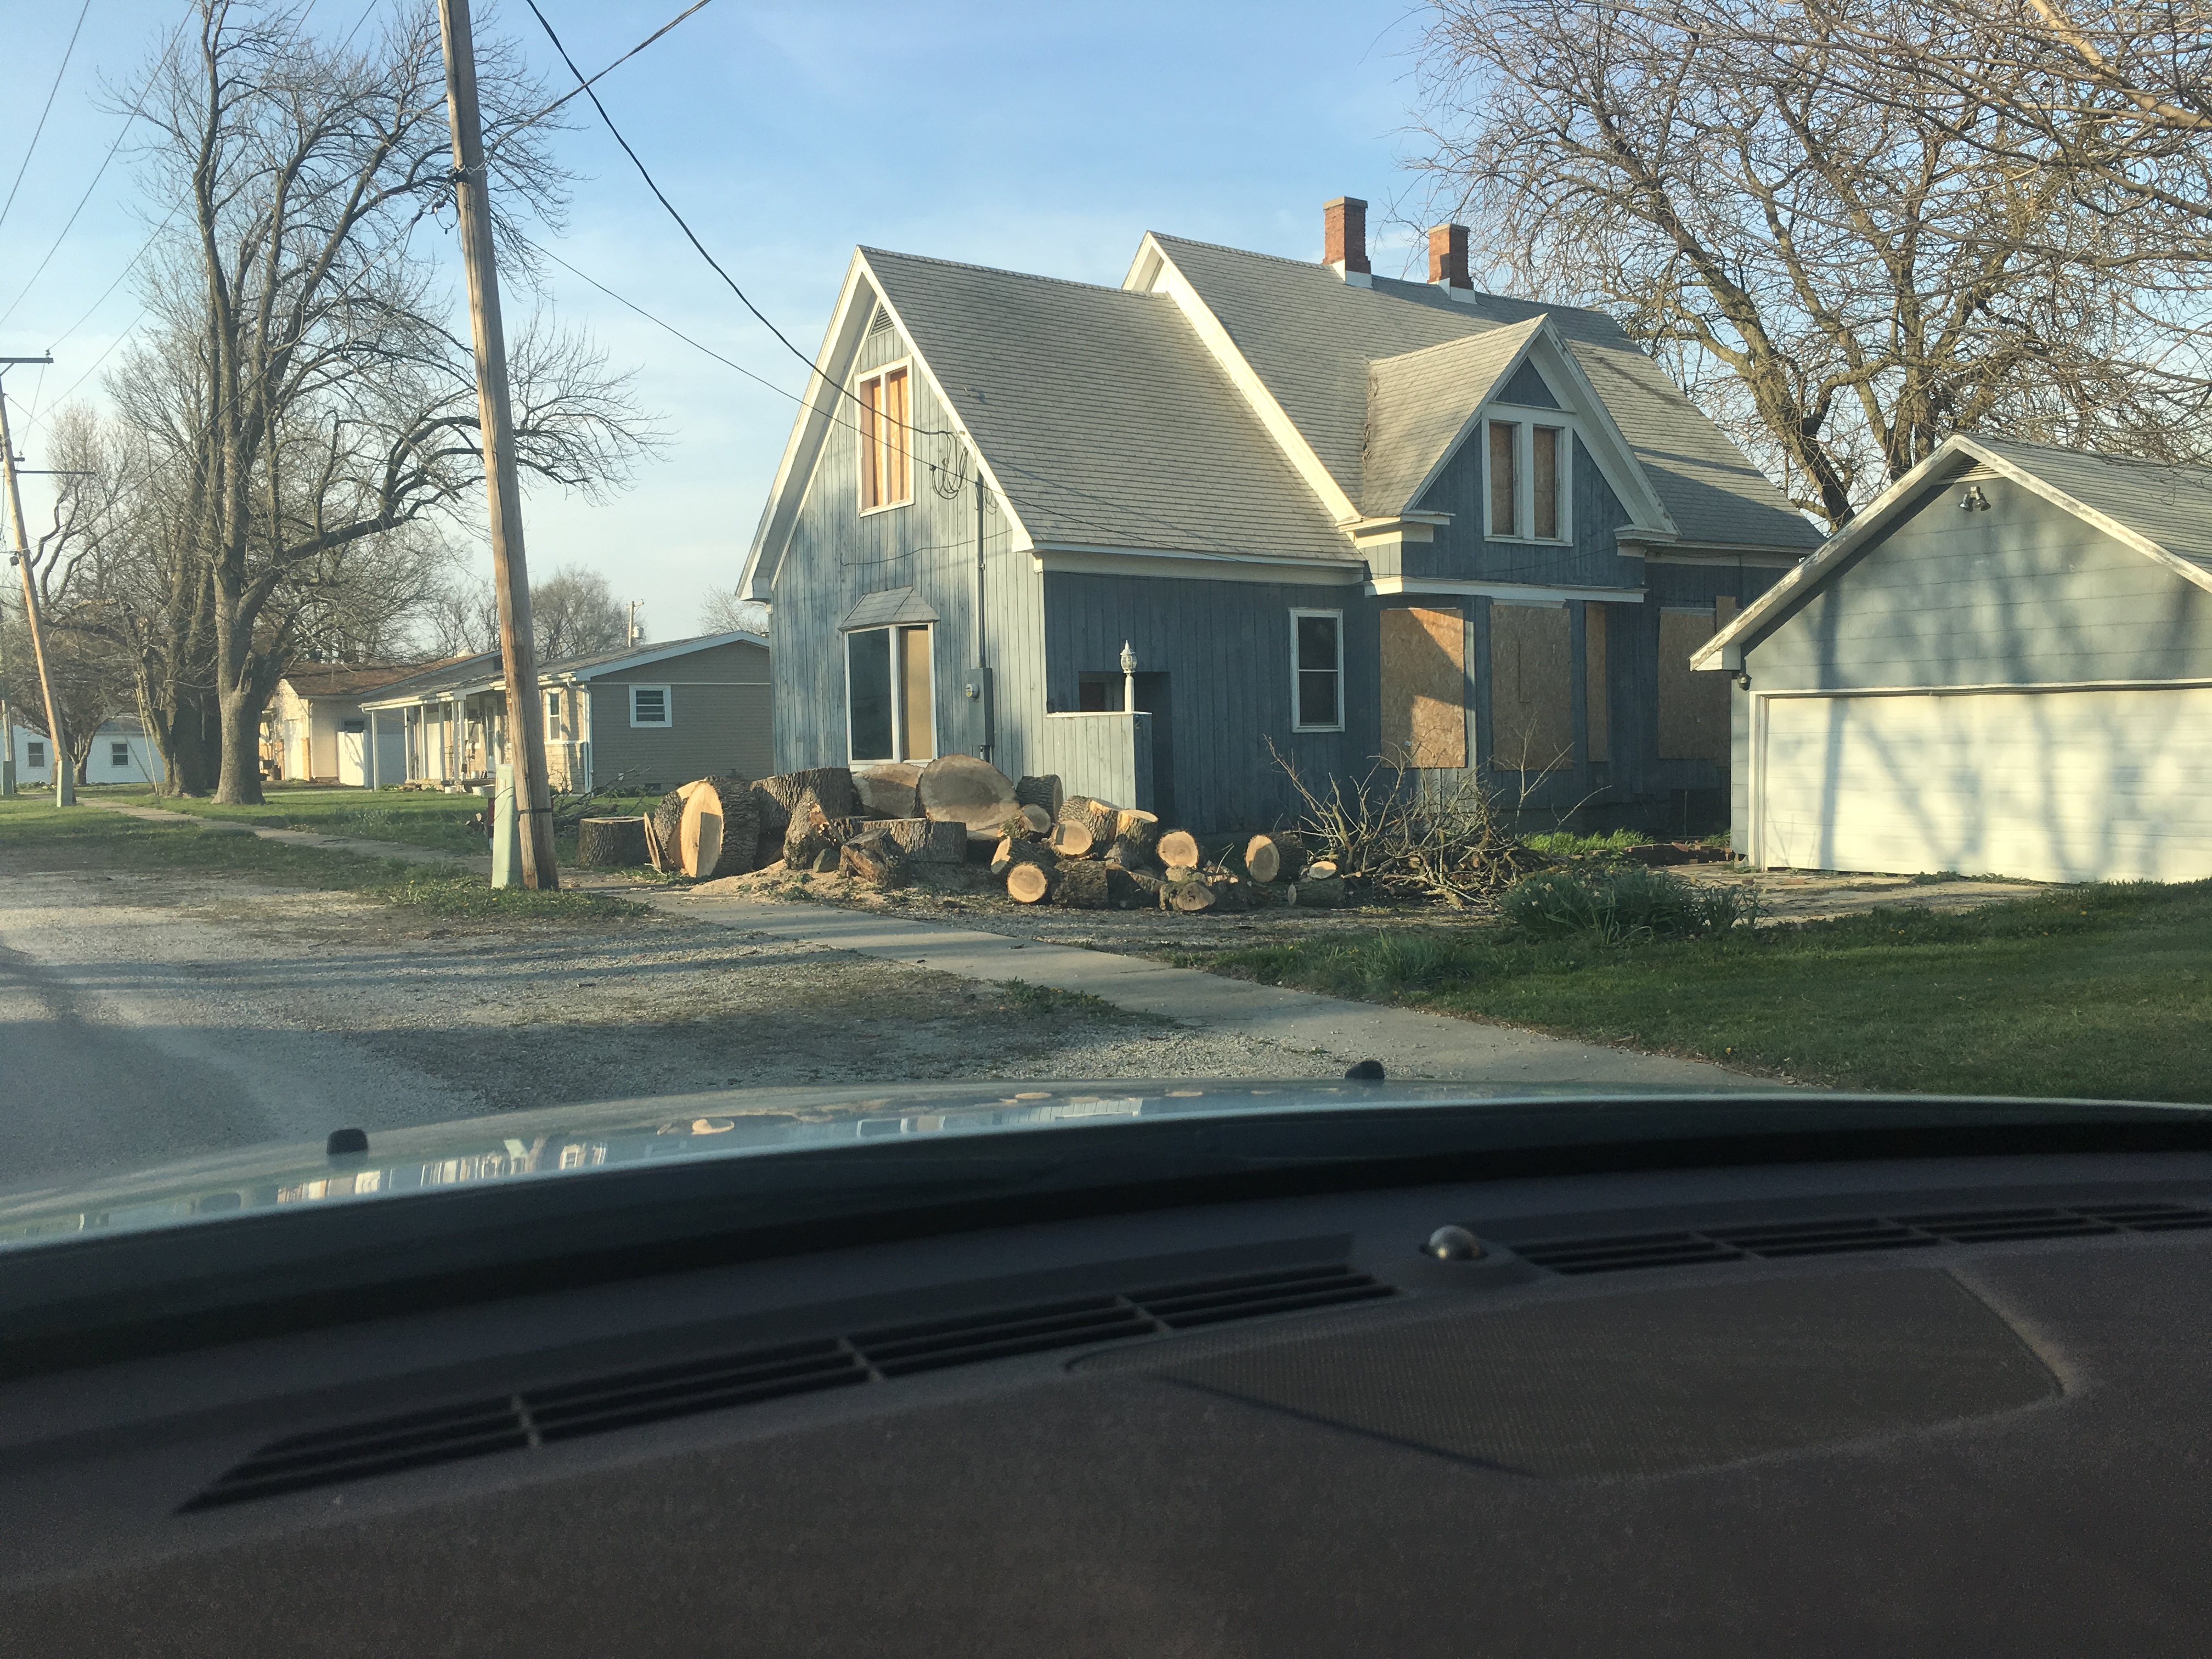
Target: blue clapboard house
1241,509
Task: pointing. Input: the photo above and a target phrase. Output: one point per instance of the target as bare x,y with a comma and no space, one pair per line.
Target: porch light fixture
1128,679
1973,501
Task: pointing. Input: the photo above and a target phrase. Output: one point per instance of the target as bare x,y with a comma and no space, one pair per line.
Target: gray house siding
721,704
2025,593
838,555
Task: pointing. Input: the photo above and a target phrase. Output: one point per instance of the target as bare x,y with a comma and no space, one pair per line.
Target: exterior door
2055,786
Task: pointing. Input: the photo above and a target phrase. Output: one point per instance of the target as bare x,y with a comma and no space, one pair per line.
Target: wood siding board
1461,552
1526,388
2021,594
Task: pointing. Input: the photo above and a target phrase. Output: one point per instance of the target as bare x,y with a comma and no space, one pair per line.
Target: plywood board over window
1694,708
1597,713
1531,688
1425,687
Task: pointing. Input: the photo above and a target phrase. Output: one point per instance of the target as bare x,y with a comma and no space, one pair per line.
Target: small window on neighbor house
886,469
1544,475
1504,481
118,754
34,754
553,715
648,705
1317,644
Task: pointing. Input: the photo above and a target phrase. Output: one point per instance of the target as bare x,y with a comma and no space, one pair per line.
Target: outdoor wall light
1973,501
1743,682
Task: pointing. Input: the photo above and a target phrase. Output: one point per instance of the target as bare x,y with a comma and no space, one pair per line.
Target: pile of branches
1401,833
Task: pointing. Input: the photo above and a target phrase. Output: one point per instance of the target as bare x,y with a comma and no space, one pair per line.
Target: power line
68,52
533,120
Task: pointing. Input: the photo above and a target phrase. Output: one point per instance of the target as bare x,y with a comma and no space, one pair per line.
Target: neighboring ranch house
1334,515
2004,667
643,714
314,729
121,753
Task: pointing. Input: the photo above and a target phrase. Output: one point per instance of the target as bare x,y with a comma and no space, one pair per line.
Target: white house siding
140,765
2056,786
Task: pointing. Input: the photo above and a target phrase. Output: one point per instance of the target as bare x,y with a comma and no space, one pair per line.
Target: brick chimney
1344,235
1448,256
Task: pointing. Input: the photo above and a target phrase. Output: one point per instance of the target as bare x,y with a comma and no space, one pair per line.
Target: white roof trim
647,657
1893,504
1511,592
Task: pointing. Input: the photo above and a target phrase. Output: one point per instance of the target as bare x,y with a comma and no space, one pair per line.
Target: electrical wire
68,52
532,121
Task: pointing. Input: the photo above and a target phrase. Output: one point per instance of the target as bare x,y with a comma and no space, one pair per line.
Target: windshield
488,698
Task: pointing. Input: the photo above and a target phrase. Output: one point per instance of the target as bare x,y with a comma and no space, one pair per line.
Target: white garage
2004,667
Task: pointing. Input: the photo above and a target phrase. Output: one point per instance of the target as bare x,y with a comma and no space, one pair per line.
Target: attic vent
880,323
1978,474
752,1376
1846,1235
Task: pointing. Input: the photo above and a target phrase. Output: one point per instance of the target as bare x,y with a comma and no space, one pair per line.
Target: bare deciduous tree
723,612
1843,258
574,612
304,398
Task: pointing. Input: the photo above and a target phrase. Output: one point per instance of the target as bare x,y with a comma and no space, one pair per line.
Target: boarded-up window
1532,717
1595,643
1694,708
886,477
1544,480
1504,479
917,703
1425,687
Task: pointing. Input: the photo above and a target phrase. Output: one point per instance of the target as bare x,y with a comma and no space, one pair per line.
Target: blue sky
1044,138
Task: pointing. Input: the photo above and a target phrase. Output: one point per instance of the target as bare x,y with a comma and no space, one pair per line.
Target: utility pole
633,623
56,731
525,709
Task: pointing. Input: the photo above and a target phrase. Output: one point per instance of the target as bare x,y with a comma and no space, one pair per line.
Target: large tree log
611,843
805,839
1029,884
731,803
874,860
1099,817
887,791
1136,838
1010,852
1043,793
1263,857
830,786
925,841
1072,839
1086,885
1138,889
1178,849
962,789
1190,896
667,817
1324,891
1026,823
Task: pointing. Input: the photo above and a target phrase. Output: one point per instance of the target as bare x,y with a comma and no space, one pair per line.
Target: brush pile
1399,833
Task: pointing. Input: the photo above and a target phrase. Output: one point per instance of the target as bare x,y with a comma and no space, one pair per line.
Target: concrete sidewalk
1407,1042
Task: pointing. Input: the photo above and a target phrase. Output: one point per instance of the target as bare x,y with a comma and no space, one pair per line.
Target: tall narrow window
891,699
1544,480
917,712
886,471
1317,644
1505,479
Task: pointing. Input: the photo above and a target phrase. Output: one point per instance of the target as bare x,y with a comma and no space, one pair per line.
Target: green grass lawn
2092,991
34,835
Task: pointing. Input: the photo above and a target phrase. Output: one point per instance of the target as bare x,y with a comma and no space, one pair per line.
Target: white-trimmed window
652,705
553,716
34,754
1527,489
890,694
1317,671
886,461
118,754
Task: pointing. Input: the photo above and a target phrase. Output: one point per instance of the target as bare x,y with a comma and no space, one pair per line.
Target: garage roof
2162,511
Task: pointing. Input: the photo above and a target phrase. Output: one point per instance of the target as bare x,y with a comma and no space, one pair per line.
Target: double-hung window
118,754
1525,479
887,463
1317,687
890,700
651,705
34,754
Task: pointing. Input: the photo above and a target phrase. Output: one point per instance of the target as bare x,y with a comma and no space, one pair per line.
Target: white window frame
116,761
554,705
1524,422
860,436
667,706
34,752
898,694
1297,725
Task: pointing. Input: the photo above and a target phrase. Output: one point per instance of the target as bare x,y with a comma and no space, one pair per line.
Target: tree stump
1043,793
962,789
887,791
1086,885
1178,849
874,860
611,843
925,841
1029,884
1072,839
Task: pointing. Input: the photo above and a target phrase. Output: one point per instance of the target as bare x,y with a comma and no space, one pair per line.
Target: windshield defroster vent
1846,1235
750,1376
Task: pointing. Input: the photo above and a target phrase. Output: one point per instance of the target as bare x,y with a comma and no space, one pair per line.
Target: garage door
2058,786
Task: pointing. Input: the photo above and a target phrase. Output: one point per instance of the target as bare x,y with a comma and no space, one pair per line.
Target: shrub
1623,905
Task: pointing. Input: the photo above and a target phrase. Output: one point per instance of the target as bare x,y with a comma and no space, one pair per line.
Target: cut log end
1028,884
1263,859
1191,897
1072,839
1178,849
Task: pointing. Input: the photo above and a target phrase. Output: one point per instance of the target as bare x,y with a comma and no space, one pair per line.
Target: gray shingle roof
461,674
1309,336
1417,405
2166,504
1103,416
